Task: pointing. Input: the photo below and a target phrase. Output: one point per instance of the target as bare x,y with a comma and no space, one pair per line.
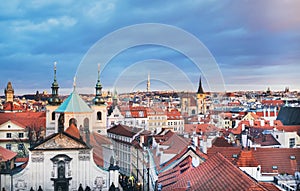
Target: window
86,123
8,126
276,136
99,115
20,146
21,135
292,142
141,114
8,146
73,121
8,135
53,116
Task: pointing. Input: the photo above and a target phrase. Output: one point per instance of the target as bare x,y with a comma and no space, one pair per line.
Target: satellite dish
195,162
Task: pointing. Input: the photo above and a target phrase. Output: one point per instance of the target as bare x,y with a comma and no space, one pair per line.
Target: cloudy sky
245,45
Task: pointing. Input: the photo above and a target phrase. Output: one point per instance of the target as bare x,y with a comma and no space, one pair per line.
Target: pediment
59,142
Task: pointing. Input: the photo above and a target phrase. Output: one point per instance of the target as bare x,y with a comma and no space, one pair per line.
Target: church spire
54,100
200,89
148,83
98,98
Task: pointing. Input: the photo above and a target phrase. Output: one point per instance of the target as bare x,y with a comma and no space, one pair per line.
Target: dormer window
292,157
235,156
275,167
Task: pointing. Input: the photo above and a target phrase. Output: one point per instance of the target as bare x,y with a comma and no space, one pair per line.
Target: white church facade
64,160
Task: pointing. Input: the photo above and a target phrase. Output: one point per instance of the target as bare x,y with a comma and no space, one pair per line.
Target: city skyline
255,44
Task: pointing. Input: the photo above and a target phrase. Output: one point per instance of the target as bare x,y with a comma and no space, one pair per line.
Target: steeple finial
98,100
200,89
99,72
55,71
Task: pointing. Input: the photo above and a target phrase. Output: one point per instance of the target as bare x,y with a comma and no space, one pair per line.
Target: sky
232,45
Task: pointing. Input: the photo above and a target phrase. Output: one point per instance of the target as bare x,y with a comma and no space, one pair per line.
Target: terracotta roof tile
217,173
280,157
34,120
6,154
246,159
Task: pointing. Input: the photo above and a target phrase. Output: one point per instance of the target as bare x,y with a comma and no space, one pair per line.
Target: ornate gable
61,141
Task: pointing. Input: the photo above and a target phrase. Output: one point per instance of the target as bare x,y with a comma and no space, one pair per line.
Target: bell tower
9,93
53,103
201,104
99,109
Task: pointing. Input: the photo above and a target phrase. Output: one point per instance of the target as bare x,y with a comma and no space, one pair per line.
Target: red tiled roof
123,130
97,141
171,176
174,114
73,131
265,140
272,102
221,142
246,159
11,106
198,128
34,120
217,173
6,155
289,128
280,157
265,157
22,159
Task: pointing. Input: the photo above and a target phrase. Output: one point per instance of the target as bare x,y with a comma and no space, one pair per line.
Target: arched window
53,116
86,123
99,115
73,121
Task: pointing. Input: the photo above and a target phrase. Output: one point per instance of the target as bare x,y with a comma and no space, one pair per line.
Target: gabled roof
123,130
60,141
286,160
14,122
34,120
6,155
74,104
187,151
217,173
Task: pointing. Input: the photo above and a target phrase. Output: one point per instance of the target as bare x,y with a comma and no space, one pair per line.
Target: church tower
53,104
99,109
201,104
54,100
9,93
148,83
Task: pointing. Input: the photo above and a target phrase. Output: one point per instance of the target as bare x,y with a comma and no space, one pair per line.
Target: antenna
74,82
